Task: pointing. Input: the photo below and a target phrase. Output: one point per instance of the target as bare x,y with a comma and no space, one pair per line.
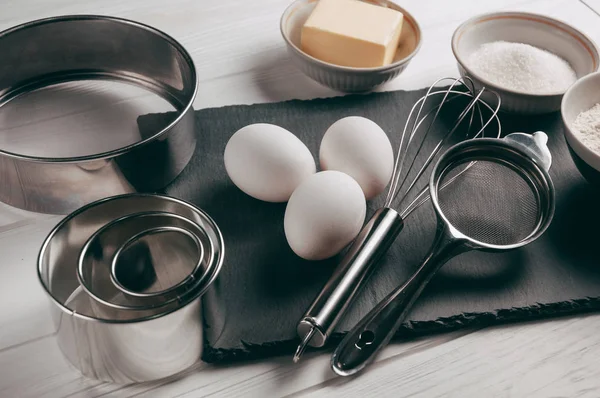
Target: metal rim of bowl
118,151
283,23
189,278
594,51
218,262
170,298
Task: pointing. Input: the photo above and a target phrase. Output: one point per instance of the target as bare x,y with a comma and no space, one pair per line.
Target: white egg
324,214
358,147
267,162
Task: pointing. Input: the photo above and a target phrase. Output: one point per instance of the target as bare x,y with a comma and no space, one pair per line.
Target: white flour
587,128
522,67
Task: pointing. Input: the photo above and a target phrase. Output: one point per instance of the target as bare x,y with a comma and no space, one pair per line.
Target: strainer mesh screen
489,202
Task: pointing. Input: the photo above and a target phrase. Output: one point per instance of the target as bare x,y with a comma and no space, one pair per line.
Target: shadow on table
279,79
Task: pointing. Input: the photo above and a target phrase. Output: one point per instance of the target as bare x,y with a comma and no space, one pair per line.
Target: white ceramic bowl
581,96
536,30
342,78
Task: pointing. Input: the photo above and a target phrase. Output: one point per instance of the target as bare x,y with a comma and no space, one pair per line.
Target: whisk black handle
372,242
361,345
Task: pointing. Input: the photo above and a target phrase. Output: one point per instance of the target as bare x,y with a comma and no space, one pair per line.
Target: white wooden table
240,58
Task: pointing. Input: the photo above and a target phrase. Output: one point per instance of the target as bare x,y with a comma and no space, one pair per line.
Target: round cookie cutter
124,346
71,48
102,256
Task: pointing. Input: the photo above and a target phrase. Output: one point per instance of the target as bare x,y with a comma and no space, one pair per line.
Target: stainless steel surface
55,50
175,265
503,199
123,353
118,345
119,270
333,300
417,140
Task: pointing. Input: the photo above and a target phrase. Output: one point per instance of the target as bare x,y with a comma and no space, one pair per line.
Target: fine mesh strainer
489,194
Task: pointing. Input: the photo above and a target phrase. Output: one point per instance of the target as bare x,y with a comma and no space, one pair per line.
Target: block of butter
352,33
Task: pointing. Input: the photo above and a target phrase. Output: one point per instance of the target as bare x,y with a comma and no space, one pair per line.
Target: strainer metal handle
360,346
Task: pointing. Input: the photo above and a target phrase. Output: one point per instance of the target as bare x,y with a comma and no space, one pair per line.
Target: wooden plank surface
241,58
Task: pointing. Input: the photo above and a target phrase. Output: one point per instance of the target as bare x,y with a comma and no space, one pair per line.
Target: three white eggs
325,210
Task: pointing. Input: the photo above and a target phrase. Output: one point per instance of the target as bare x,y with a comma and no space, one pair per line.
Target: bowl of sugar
580,111
530,60
350,45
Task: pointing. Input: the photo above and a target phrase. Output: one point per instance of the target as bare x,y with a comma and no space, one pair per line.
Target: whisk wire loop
440,144
399,162
417,129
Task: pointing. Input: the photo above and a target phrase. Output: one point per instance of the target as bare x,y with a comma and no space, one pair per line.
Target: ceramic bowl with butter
380,64
581,97
542,32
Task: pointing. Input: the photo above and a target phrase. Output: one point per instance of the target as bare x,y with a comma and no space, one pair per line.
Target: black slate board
264,289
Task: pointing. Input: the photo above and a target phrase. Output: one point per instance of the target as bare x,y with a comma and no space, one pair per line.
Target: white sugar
587,128
521,67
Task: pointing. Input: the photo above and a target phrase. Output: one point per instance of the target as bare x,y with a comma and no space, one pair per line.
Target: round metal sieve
76,64
492,195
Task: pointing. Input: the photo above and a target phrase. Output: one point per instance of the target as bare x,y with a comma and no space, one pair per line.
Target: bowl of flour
580,111
530,60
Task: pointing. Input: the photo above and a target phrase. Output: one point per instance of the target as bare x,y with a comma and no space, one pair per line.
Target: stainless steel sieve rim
102,75
194,282
529,166
217,263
